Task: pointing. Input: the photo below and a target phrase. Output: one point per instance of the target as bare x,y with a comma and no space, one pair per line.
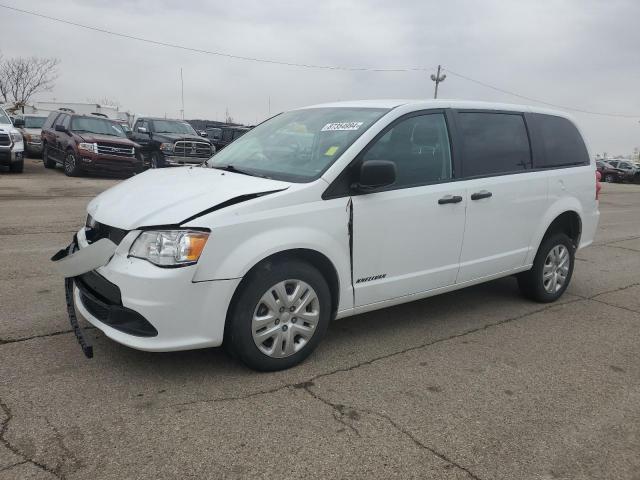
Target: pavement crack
44,335
619,289
444,339
422,445
339,411
311,380
15,450
68,456
615,306
13,465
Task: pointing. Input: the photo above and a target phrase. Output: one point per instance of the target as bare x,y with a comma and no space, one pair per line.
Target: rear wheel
552,269
48,162
279,316
71,167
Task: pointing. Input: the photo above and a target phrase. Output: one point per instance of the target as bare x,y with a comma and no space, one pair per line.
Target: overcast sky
580,53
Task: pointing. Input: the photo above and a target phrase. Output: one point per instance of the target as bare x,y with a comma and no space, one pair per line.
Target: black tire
532,284
48,162
609,178
239,339
70,164
157,160
17,167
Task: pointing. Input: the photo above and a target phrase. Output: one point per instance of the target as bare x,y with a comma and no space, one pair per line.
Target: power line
531,99
308,65
216,53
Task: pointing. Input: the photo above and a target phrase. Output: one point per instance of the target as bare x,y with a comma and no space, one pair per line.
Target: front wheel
609,178
552,270
279,316
71,167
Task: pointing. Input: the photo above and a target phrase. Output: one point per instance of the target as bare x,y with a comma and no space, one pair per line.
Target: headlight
166,147
88,147
169,248
16,137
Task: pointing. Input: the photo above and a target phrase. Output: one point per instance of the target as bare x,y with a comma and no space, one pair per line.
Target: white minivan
328,211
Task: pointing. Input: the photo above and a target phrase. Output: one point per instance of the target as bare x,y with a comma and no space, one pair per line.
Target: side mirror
18,122
60,128
142,130
375,174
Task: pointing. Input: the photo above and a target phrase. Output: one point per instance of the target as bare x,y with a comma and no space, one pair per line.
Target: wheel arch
313,257
565,218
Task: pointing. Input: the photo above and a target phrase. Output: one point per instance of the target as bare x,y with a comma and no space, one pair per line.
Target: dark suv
165,142
221,136
87,143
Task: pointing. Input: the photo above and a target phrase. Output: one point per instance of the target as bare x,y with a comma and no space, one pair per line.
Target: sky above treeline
577,53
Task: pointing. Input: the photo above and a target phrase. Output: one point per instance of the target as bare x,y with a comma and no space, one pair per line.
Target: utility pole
182,93
438,79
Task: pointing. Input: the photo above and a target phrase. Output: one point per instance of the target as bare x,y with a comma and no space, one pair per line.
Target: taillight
598,184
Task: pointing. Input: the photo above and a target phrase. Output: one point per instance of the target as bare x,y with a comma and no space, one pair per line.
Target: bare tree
23,77
3,82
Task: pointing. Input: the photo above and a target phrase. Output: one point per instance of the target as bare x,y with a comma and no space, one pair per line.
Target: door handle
449,199
480,195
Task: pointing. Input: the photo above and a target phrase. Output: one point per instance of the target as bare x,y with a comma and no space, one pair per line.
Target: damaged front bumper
71,262
101,298
138,304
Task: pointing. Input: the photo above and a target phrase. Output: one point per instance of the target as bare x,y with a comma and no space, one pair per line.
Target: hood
31,131
96,137
7,128
180,136
169,196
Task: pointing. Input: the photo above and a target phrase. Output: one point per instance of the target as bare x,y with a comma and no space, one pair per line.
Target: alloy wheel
556,268
70,163
285,318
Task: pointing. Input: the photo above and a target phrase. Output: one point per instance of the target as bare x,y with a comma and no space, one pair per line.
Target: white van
328,211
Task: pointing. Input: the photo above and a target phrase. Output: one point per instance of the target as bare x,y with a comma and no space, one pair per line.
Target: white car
11,144
328,211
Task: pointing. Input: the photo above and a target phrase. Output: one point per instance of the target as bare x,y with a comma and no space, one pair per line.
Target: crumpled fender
71,263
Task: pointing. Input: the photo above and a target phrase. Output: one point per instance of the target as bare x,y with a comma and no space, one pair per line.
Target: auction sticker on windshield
332,127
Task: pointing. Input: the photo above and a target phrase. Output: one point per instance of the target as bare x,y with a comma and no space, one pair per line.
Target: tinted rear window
493,143
562,143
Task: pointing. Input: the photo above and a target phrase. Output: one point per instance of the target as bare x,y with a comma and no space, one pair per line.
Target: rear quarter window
561,142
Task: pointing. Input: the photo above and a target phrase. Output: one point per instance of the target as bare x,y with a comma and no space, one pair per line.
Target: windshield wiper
231,168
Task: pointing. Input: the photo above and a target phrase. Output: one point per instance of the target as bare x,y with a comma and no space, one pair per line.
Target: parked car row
92,143
618,171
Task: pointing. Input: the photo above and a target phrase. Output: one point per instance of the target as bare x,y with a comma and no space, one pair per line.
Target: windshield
34,122
96,125
298,145
172,126
3,117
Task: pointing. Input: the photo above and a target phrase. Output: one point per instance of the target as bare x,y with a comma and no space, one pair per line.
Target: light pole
438,79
